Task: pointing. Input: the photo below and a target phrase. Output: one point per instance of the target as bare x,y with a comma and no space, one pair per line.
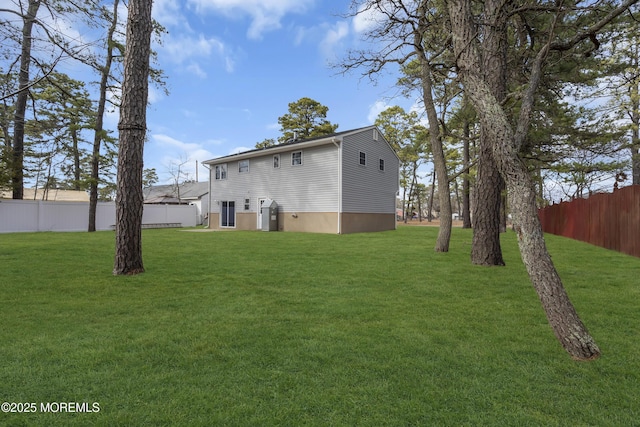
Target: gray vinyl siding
366,189
310,187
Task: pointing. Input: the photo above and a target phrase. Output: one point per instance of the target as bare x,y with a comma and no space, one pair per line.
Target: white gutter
209,204
335,142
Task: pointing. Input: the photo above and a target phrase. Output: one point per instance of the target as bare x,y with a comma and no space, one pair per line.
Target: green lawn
256,329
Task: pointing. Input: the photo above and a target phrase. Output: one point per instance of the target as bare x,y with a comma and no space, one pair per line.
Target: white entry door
260,203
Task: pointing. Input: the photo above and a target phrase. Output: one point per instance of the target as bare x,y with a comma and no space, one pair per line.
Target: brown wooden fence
609,220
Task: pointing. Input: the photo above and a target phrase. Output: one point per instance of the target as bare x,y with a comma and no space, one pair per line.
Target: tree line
509,82
53,133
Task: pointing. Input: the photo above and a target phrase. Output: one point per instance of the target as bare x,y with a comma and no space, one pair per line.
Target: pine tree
132,127
306,119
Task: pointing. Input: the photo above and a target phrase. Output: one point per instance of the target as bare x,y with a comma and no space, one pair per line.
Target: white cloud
332,39
197,70
265,15
183,46
190,150
366,19
186,48
154,95
182,154
229,64
166,140
168,13
301,34
375,109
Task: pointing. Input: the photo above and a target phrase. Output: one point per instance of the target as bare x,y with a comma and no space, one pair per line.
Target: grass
252,328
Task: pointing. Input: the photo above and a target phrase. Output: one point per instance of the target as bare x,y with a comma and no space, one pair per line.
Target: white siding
310,187
366,189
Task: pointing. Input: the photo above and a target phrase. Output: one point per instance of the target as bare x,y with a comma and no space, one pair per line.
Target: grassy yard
257,329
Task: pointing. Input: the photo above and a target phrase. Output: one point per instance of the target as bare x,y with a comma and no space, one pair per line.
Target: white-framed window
247,204
381,165
221,172
243,166
276,161
363,158
296,158
375,134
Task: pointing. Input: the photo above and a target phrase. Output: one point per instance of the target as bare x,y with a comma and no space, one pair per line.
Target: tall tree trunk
98,130
466,196
404,204
420,194
76,160
432,195
132,128
485,246
416,189
437,149
17,158
561,314
409,207
456,189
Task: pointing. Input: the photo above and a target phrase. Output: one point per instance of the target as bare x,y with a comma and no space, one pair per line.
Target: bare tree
99,132
425,23
409,31
132,127
33,33
178,174
17,161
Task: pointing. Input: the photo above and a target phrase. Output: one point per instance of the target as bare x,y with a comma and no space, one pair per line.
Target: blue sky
233,66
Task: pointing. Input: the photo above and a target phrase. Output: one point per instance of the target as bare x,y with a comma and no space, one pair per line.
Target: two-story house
345,182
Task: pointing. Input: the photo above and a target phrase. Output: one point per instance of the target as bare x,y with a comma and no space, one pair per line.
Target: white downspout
339,147
209,204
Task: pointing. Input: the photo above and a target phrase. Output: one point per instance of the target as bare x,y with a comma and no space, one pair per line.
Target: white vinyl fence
31,215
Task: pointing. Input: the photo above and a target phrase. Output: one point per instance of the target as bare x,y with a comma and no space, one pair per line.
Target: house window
375,134
276,161
247,204
228,214
363,159
243,166
221,172
381,165
296,158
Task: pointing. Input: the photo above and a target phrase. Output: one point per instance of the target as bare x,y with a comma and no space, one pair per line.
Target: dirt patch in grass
425,223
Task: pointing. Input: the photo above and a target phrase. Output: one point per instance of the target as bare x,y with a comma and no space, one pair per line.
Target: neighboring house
340,183
187,193
51,195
